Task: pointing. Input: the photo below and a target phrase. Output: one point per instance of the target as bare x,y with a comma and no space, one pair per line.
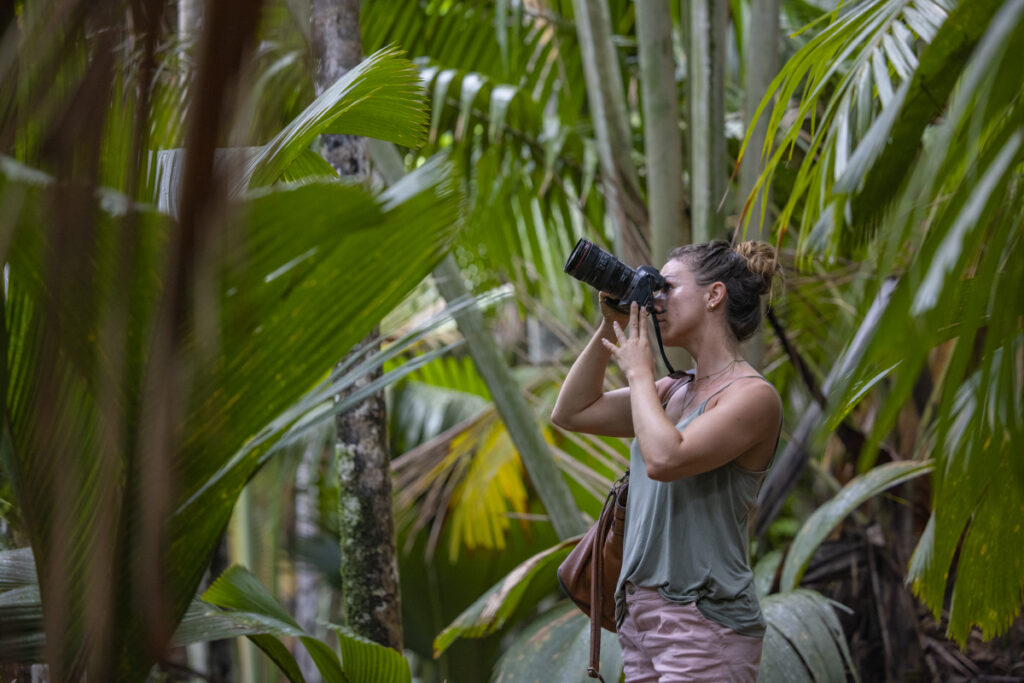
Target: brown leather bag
598,554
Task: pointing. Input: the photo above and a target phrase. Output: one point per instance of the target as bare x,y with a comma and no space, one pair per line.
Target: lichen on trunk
369,568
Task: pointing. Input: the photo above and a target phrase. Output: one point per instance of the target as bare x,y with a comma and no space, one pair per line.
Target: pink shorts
664,642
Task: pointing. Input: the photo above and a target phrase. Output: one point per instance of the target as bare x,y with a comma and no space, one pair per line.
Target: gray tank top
688,539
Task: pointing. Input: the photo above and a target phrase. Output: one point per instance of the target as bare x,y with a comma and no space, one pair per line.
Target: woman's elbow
658,472
560,419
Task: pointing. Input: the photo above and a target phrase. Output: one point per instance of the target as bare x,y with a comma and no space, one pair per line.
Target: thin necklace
691,393
728,365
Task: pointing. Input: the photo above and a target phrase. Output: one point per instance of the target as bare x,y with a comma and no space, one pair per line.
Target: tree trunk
761,64
189,16
369,566
662,139
619,180
663,146
706,80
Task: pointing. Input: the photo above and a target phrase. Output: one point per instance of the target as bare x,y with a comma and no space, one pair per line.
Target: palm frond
833,89
286,281
955,230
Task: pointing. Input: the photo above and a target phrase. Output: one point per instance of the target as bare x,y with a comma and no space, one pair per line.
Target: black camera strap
672,372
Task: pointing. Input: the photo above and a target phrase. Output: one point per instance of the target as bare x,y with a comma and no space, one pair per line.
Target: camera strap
672,372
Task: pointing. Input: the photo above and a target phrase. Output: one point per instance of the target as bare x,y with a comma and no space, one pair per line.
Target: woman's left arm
744,420
741,421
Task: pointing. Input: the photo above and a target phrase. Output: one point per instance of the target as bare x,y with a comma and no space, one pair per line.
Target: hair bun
762,260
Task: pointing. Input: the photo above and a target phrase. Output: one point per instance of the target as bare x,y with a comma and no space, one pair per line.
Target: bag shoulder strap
604,523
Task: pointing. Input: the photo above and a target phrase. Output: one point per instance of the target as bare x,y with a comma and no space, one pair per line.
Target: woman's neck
715,355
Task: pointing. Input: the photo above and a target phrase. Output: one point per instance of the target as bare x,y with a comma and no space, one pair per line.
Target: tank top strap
705,403
676,386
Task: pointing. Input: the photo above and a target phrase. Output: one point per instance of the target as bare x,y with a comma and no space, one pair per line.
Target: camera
593,265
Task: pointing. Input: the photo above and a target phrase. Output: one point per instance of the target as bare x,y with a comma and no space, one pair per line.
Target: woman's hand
633,352
612,315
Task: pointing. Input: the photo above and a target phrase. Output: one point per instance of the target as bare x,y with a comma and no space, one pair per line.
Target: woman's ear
715,295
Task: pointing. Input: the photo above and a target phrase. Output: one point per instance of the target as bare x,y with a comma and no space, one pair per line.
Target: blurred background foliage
176,253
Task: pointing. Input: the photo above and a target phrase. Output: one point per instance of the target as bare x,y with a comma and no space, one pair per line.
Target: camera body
593,265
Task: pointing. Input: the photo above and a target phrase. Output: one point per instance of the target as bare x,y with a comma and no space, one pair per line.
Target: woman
686,607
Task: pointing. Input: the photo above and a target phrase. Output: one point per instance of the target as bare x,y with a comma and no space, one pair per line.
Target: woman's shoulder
668,386
753,393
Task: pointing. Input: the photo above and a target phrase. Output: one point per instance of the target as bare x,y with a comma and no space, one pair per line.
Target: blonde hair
748,272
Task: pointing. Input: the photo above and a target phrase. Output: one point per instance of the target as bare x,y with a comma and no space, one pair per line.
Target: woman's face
681,306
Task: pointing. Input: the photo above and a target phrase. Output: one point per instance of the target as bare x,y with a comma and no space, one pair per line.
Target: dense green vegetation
183,275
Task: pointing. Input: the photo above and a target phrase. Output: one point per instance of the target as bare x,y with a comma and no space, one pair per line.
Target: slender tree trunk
369,566
189,16
663,146
706,80
662,139
761,64
309,583
619,180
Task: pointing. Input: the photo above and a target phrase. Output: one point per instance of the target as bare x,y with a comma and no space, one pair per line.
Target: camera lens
593,265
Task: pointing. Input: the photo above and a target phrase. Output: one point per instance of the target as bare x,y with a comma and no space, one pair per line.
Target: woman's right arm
582,404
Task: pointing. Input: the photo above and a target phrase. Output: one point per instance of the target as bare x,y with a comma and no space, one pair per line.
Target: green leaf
804,640
379,98
493,608
237,589
279,654
954,232
290,300
327,662
17,569
203,622
765,570
556,647
878,166
825,518
21,625
949,253
850,71
308,165
368,662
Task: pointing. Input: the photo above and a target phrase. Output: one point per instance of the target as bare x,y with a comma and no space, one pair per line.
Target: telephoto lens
593,265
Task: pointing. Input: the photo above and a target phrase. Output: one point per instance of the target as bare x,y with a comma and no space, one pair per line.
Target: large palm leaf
837,84
283,295
951,231
231,409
